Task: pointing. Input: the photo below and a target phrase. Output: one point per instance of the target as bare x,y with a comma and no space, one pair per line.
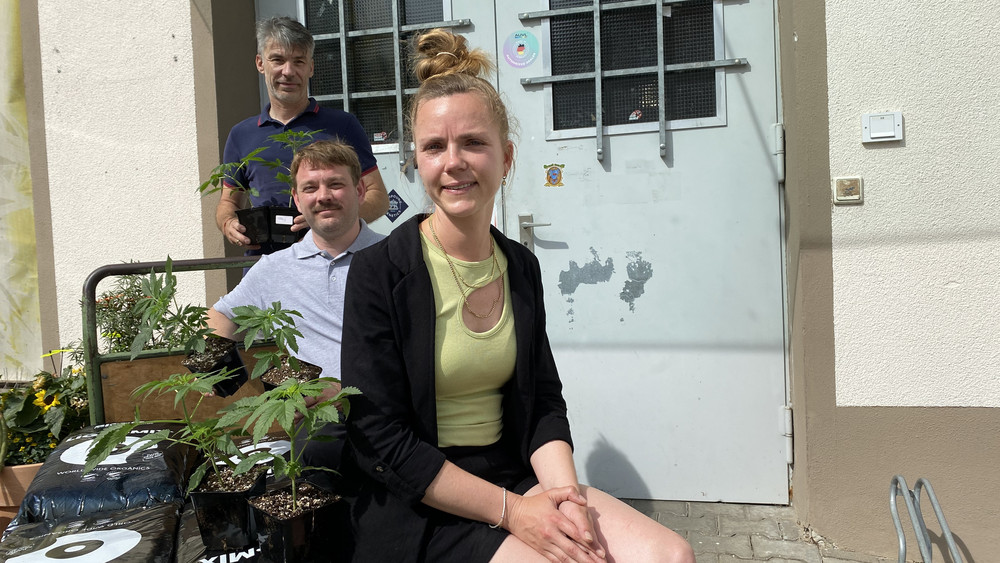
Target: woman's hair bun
440,52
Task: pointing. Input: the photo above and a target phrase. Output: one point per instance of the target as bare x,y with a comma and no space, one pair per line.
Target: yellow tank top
470,367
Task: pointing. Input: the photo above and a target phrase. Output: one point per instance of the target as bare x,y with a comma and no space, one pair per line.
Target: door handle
526,225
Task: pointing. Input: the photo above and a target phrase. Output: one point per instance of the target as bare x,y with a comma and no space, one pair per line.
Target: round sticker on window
520,49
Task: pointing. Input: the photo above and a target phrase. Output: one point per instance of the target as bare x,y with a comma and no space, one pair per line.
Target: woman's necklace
454,273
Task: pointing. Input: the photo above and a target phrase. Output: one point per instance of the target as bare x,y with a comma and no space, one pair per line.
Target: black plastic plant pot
224,517
220,354
281,224
304,537
256,221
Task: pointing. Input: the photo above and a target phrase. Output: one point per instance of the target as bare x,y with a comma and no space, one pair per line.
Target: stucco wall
863,279
119,113
916,267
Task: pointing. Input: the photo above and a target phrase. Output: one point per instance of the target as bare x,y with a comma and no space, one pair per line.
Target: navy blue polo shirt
253,132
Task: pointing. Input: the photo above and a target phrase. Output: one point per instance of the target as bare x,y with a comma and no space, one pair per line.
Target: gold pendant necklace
454,273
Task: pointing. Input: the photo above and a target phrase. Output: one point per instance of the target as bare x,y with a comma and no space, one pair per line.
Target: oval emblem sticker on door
553,175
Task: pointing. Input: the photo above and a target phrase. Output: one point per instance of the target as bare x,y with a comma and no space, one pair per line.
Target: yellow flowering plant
36,417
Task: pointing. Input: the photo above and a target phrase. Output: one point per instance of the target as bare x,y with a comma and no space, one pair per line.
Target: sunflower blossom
45,403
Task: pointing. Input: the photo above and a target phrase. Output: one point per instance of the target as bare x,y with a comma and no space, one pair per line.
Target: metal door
659,234
661,246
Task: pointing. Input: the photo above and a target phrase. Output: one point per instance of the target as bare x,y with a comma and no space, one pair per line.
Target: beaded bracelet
503,513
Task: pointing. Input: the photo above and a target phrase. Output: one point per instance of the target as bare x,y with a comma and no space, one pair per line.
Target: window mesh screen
326,77
573,105
628,41
323,16
371,64
689,34
572,44
335,104
378,117
628,38
630,99
422,11
369,14
691,94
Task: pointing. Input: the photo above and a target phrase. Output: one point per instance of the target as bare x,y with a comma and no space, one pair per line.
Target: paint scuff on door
592,272
639,271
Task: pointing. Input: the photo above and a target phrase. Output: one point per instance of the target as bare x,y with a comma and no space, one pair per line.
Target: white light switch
878,127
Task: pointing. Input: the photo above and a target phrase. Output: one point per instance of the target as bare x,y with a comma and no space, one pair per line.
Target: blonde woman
461,435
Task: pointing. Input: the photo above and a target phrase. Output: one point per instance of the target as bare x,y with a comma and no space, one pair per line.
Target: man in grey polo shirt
310,276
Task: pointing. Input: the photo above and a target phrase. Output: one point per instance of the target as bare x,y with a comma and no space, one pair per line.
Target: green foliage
280,406
225,173
315,403
36,417
274,324
163,320
214,441
116,324
289,400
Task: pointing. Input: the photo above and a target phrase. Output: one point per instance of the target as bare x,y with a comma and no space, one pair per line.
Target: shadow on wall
610,470
942,544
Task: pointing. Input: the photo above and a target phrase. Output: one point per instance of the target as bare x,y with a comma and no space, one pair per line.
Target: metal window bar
661,79
92,358
397,59
598,75
598,90
911,498
345,85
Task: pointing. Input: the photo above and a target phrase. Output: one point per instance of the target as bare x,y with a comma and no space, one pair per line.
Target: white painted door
663,269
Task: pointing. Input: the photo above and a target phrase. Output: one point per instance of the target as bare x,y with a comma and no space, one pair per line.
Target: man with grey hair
285,59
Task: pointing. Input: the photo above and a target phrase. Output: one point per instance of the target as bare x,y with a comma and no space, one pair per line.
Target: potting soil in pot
220,357
278,375
133,536
126,479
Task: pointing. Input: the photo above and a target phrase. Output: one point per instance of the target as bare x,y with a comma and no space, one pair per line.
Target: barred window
360,58
647,64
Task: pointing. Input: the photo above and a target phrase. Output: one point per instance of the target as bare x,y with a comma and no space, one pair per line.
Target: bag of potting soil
128,478
191,548
276,443
139,535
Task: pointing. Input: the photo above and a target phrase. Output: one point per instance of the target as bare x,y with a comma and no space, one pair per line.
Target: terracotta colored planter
14,481
119,380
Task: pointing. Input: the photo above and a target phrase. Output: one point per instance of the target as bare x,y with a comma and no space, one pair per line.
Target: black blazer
388,353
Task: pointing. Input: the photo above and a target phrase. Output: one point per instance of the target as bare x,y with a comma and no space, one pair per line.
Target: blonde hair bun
440,52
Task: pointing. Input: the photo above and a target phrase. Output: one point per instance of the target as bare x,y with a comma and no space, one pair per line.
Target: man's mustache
326,208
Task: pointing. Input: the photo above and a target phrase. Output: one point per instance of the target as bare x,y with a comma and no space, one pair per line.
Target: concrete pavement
730,533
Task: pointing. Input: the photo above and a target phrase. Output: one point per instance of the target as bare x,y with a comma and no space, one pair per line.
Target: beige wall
916,296
865,278
118,148
120,145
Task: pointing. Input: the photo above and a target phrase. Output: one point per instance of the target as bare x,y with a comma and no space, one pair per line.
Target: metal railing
92,358
898,487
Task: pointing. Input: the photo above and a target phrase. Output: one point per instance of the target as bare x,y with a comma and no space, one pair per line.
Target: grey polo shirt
308,280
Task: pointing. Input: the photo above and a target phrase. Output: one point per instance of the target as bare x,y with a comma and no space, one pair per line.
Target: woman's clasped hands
557,524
